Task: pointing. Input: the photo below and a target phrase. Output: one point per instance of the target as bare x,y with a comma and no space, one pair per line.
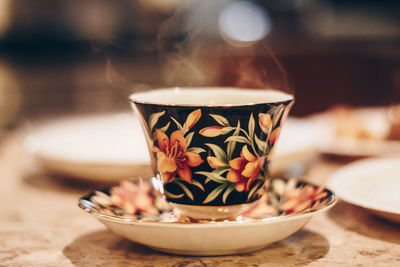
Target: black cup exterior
212,155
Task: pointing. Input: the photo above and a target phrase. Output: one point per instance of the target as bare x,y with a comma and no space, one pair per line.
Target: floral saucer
137,211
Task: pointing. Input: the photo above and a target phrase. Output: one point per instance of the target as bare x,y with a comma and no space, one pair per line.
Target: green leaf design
213,176
165,128
262,145
185,189
154,119
226,130
227,192
232,144
178,124
218,152
170,195
184,128
189,138
255,188
220,119
278,116
215,193
196,149
198,184
240,139
251,126
221,170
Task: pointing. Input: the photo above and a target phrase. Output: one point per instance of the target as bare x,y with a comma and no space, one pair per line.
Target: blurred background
70,57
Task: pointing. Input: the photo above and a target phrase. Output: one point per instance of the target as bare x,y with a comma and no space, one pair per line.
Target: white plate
297,145
374,120
373,184
103,147
144,217
110,147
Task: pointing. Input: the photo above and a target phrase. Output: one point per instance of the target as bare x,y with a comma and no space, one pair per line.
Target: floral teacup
211,147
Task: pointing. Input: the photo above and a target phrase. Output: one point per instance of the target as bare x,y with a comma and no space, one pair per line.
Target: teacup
211,146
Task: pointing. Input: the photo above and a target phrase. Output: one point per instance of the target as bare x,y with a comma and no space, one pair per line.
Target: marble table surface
41,225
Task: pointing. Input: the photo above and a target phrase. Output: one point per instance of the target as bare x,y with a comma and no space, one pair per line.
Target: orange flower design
172,157
133,198
265,122
212,131
193,118
244,169
272,140
274,135
215,163
300,199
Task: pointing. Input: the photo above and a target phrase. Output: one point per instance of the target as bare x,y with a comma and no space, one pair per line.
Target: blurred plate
112,147
374,120
296,147
373,184
103,147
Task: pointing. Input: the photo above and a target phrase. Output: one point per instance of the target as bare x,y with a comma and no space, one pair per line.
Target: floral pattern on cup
174,155
140,201
173,159
241,172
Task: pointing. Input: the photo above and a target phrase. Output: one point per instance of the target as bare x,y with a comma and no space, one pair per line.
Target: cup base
211,213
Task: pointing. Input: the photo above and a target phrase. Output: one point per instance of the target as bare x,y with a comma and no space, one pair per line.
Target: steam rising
121,85
253,70
180,44
203,44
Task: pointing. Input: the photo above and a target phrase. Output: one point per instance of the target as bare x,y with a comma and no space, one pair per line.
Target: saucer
372,184
137,211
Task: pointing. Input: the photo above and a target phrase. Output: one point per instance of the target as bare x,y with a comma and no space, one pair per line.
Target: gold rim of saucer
212,213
